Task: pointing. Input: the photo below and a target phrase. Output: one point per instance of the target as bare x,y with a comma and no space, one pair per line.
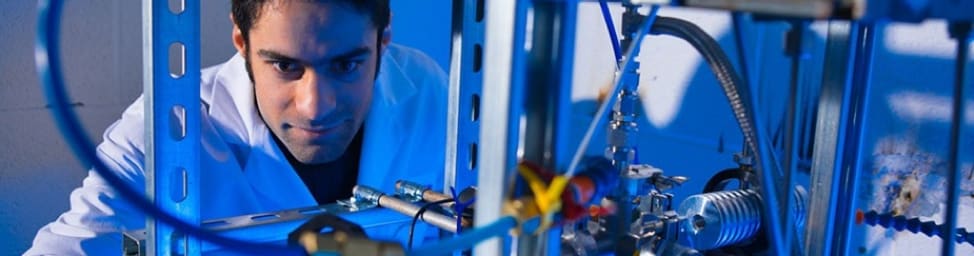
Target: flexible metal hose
732,84
738,95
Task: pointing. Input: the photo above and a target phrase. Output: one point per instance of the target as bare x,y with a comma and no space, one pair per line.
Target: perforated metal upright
466,85
171,78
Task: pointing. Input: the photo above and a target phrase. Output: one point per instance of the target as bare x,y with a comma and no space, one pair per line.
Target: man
301,114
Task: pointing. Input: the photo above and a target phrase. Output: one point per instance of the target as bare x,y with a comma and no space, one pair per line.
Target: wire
611,28
423,209
467,239
48,61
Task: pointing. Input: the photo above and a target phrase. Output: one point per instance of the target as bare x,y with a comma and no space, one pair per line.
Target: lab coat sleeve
98,214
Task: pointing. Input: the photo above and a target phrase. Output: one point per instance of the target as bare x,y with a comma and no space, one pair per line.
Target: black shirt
331,181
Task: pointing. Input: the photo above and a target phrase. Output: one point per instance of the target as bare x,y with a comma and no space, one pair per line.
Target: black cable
412,227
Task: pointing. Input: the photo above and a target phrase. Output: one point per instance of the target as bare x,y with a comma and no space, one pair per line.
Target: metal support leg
795,48
466,84
547,94
962,33
503,75
854,144
837,138
171,64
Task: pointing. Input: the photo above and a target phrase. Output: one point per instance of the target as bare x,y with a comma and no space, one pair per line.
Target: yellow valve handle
547,197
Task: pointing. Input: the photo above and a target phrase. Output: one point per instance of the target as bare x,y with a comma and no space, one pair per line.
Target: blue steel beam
960,31
853,147
172,116
466,86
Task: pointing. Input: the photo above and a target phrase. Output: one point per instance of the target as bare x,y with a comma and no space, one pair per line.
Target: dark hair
246,12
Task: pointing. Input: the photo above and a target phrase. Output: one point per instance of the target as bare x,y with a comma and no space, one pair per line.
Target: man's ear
387,34
238,39
386,37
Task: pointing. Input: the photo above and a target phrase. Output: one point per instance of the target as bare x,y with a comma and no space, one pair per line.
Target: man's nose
315,99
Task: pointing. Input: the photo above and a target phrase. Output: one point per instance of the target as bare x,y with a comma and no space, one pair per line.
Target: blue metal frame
960,31
503,74
172,118
466,86
854,146
829,135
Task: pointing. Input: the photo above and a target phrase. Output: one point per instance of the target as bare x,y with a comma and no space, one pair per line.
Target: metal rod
854,144
439,220
370,196
796,50
961,32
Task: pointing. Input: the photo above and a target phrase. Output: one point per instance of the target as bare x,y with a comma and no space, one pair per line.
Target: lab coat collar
393,86
264,160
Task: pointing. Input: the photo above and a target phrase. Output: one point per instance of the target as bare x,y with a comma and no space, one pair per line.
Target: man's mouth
313,132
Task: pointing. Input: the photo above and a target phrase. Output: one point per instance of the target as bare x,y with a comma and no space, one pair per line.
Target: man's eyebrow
274,55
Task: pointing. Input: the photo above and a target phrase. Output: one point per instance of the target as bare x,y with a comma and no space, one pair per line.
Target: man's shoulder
413,62
411,70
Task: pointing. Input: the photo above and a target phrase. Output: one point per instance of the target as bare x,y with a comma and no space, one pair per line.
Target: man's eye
345,67
286,67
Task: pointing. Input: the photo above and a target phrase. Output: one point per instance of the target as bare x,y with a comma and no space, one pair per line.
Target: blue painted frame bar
961,31
466,86
172,119
854,144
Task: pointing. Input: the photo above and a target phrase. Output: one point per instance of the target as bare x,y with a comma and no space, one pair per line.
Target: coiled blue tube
611,28
48,60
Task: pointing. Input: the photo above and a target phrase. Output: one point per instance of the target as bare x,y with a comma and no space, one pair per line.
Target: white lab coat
242,169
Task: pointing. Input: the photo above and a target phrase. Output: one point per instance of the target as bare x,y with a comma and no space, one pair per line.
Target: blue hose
48,60
611,28
467,239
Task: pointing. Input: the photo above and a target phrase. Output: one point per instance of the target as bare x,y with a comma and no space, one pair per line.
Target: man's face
313,65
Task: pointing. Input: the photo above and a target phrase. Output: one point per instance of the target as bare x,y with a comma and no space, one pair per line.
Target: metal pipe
610,101
961,32
622,129
441,221
416,192
795,48
858,97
